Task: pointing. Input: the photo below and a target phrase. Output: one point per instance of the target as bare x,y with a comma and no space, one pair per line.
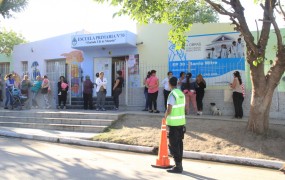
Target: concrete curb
148,150
234,159
82,142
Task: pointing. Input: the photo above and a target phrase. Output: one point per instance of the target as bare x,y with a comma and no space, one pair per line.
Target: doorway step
77,103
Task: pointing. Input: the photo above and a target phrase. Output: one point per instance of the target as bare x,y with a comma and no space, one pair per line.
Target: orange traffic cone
163,160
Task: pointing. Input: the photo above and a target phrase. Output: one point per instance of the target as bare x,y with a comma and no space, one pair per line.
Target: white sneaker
48,106
199,113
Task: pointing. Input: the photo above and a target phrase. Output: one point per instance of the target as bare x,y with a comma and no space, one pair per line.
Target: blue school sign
215,56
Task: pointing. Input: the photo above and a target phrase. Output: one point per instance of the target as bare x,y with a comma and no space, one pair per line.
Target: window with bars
24,66
4,68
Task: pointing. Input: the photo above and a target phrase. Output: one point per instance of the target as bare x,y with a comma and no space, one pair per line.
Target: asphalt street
26,159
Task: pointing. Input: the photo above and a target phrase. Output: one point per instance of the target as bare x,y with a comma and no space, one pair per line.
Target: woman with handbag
62,88
238,98
45,90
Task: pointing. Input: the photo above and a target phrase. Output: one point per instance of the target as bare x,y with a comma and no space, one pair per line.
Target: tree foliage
180,14
9,6
8,39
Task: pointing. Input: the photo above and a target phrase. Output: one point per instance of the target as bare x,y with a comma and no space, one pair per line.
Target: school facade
76,55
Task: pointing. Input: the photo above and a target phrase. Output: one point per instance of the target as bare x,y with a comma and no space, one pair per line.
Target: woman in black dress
200,91
62,88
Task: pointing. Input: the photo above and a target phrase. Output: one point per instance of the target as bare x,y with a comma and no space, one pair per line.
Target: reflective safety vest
177,116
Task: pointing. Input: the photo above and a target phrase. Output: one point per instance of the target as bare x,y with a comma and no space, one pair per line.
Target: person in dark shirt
188,87
146,92
62,88
200,91
117,89
88,93
1,86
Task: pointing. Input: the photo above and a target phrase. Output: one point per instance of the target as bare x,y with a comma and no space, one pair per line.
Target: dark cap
173,81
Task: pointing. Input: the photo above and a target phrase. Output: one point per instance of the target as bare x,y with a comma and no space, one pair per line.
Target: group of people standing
43,85
40,84
101,91
192,89
175,111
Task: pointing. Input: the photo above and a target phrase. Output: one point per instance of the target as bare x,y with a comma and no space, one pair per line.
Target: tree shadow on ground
217,136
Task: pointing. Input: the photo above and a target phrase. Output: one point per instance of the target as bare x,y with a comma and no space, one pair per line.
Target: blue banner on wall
215,56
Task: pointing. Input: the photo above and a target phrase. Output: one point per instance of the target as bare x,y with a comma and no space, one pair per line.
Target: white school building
78,54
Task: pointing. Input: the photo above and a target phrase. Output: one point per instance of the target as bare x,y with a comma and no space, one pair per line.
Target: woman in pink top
152,84
238,98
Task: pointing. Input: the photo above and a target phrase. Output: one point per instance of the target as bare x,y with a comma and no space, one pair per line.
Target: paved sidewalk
79,138
25,159
48,133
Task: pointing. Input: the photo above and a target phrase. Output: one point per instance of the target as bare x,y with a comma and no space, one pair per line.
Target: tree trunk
259,113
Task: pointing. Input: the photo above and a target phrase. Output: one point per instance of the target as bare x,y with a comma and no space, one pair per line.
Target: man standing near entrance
175,120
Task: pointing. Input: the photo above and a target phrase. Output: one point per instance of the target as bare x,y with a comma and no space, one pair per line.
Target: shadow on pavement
196,176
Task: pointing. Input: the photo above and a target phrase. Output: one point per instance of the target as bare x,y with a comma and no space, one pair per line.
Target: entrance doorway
110,66
54,69
104,65
118,64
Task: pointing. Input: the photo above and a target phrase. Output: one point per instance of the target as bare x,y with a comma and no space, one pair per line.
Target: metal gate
55,69
4,69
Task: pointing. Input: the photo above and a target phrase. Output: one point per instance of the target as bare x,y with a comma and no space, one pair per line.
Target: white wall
40,51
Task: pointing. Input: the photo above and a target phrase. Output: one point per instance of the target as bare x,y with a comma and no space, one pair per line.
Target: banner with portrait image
215,56
133,71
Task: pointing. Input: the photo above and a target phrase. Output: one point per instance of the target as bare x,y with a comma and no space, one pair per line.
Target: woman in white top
181,78
238,98
166,90
45,91
101,90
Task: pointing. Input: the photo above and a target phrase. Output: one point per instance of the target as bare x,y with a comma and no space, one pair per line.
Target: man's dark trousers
166,94
176,136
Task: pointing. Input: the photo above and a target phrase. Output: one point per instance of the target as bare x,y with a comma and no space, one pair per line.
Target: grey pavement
80,138
26,159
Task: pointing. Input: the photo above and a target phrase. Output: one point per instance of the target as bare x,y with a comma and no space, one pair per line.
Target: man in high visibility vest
175,120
